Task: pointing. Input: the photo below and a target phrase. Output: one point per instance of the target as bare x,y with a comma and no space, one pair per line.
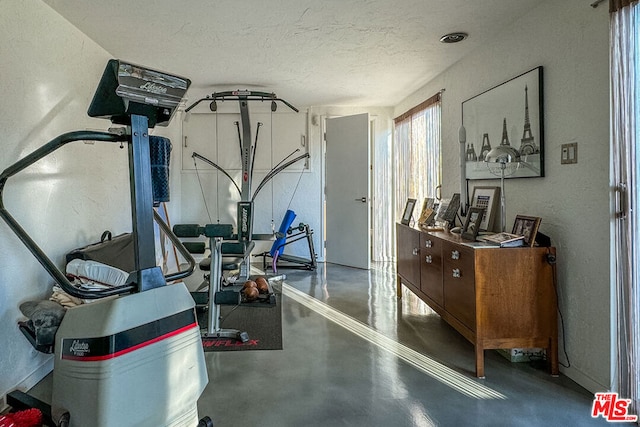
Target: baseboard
584,380
30,381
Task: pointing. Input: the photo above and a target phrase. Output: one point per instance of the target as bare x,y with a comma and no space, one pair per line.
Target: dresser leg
553,356
479,361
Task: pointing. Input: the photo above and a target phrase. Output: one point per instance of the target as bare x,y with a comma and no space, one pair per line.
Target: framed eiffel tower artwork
509,114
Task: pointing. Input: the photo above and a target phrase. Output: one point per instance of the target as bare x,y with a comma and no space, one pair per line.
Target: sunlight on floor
434,369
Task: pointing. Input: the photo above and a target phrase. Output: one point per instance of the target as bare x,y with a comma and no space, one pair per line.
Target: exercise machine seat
205,265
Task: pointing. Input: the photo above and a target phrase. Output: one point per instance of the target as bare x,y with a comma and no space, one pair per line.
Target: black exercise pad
263,324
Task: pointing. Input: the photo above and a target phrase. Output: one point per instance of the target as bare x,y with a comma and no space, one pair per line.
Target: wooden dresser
495,297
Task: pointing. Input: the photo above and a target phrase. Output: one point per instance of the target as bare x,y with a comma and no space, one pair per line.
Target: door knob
362,199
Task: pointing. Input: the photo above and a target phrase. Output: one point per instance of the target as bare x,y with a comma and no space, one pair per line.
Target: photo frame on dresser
448,210
428,214
472,223
487,198
527,226
408,211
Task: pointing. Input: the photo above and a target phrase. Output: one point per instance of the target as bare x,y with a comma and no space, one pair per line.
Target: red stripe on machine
112,346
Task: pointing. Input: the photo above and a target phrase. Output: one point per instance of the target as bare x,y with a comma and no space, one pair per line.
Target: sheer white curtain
625,137
383,208
417,154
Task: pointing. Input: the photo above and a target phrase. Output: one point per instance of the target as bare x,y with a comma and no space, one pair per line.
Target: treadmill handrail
45,261
48,265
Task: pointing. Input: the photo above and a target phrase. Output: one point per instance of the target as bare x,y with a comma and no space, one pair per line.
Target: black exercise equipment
114,357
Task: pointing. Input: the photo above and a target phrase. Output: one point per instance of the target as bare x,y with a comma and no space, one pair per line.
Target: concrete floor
329,375
355,355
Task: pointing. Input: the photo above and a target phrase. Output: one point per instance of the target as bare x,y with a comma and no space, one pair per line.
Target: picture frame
489,199
427,216
472,223
509,113
527,226
448,210
429,203
408,211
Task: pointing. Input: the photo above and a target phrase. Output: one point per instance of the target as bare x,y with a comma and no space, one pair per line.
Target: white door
347,191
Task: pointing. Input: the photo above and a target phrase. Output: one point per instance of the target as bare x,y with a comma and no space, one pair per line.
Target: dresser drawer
408,254
431,268
432,246
459,283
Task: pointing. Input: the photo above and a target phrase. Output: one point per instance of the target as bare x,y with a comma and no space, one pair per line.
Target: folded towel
64,299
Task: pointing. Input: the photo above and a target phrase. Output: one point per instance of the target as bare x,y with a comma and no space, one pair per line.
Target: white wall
49,73
570,40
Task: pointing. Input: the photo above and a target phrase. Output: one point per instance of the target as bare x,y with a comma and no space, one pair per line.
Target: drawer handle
456,272
415,251
455,255
428,259
428,244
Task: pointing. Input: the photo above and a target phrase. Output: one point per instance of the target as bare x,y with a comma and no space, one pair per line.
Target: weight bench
215,296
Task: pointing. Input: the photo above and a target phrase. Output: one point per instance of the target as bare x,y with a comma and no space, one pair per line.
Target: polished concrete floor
356,355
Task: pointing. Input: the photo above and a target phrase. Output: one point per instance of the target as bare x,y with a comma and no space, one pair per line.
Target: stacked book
505,240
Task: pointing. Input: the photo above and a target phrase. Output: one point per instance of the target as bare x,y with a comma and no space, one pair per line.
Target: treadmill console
127,89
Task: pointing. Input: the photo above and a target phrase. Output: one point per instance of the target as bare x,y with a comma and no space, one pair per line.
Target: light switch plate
569,153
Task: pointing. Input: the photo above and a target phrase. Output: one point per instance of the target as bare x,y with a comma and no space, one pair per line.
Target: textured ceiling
322,52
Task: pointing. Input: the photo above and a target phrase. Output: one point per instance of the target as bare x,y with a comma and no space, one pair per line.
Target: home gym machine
136,358
223,243
247,154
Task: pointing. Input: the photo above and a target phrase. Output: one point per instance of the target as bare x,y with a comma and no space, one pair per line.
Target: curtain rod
422,106
596,3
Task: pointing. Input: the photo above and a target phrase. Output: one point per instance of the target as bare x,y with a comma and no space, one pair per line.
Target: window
417,154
